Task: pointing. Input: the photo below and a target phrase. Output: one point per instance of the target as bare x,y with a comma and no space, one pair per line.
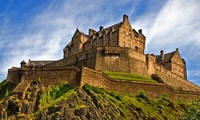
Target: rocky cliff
65,102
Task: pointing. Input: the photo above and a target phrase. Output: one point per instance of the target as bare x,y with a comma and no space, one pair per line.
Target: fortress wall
86,58
136,55
52,76
120,59
153,90
176,82
14,76
151,64
107,58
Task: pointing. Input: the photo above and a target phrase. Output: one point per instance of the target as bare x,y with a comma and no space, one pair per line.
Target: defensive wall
14,75
107,58
45,77
154,90
174,80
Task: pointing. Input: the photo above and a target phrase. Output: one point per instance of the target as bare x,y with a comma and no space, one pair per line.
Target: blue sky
40,29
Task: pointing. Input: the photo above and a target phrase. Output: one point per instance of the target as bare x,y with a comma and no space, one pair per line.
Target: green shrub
141,95
119,97
6,88
165,96
87,87
193,112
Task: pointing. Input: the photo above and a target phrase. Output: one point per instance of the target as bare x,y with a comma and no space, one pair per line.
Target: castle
118,48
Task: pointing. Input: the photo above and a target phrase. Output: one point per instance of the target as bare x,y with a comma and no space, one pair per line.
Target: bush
193,112
165,96
6,88
87,87
141,94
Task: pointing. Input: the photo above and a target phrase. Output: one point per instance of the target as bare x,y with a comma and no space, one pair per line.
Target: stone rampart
107,58
53,76
154,90
14,75
120,59
174,80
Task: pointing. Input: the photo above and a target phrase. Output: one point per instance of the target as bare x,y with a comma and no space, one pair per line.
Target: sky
40,29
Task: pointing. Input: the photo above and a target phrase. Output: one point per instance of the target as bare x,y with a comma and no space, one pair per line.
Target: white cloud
176,25
47,33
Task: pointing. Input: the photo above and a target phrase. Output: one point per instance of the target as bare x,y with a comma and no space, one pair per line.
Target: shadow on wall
157,78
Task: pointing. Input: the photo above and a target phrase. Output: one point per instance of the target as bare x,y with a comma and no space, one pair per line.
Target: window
124,34
124,44
111,34
129,37
104,37
91,41
136,48
97,39
115,43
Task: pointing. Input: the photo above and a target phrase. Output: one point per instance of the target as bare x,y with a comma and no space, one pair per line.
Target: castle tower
23,65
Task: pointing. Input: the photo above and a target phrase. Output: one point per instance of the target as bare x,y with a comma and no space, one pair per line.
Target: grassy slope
128,76
109,104
6,88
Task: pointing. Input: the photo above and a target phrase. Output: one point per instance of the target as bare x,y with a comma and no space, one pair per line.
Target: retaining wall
154,90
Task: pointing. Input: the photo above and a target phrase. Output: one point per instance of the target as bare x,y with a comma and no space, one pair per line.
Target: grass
52,94
140,104
128,76
118,104
6,88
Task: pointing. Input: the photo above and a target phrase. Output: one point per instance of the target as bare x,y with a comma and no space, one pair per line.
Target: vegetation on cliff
66,102
6,88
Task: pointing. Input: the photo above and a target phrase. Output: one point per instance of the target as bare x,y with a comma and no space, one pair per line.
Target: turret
23,65
162,54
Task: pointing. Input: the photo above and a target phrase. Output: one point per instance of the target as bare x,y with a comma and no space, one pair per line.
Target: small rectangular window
124,34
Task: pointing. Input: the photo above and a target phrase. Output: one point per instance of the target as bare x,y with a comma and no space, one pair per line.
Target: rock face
87,103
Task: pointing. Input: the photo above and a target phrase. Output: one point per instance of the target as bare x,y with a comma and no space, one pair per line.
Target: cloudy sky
40,29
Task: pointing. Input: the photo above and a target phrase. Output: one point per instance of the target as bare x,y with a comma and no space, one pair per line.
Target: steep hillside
66,103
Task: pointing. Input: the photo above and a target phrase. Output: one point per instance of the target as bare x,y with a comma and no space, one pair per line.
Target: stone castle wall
107,58
153,90
14,76
174,80
120,59
53,76
45,77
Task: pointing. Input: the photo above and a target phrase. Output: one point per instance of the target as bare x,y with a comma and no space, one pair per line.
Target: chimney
125,17
91,31
140,31
162,54
100,28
